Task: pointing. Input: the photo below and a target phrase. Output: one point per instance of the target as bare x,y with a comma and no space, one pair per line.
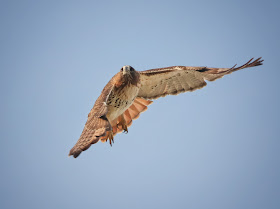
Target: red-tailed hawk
129,93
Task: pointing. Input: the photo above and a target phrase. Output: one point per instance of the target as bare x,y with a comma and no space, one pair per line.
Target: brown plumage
129,92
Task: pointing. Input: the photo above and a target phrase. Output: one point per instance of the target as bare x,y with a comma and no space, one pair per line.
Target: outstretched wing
160,82
97,124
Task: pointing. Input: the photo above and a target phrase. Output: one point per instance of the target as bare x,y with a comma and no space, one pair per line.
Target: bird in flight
129,93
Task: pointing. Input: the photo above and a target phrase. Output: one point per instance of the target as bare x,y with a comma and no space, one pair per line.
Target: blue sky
217,147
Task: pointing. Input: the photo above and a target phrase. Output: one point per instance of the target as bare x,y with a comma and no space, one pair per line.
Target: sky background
214,148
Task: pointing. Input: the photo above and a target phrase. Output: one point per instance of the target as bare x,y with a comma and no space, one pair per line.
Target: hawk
129,93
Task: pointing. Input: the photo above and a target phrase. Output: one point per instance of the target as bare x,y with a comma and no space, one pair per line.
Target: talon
125,129
111,137
123,124
111,140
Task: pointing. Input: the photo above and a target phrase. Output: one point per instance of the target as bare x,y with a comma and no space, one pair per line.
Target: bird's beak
125,70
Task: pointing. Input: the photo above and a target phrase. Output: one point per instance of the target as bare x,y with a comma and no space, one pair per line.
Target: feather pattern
97,124
160,82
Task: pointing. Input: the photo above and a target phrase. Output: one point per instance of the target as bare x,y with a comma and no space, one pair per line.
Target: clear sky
214,148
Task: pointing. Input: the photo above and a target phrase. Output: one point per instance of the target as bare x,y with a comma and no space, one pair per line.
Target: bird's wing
160,82
97,124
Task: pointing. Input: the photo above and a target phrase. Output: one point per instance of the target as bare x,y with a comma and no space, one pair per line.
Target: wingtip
260,60
250,63
74,153
257,62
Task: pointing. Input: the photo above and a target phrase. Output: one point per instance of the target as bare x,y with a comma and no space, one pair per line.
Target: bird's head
127,70
129,74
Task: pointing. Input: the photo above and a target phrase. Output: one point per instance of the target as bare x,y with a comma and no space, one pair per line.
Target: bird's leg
123,124
111,137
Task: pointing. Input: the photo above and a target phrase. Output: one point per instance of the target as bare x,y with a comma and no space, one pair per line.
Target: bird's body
120,100
129,93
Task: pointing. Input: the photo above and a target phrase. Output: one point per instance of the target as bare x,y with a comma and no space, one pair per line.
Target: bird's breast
119,101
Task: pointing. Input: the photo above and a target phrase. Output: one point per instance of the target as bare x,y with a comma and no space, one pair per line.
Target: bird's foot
124,127
111,137
123,124
125,130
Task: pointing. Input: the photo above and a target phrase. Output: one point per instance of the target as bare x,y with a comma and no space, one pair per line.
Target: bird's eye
121,69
